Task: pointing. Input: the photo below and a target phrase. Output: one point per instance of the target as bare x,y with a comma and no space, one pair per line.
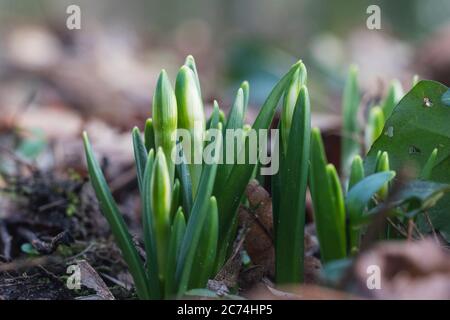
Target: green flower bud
382,164
374,127
393,96
191,117
160,189
356,171
289,101
246,89
190,63
165,119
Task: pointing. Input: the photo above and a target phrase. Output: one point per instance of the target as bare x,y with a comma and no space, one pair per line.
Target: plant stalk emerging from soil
189,209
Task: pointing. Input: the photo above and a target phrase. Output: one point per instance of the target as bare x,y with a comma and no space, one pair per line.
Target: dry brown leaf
259,242
409,270
91,279
229,274
258,221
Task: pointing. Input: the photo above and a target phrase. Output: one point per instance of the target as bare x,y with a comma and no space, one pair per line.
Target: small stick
42,246
51,205
427,217
402,232
115,281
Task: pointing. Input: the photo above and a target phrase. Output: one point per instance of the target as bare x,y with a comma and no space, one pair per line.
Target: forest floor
50,220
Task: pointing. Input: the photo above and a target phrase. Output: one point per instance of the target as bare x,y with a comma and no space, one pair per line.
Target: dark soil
33,285
51,223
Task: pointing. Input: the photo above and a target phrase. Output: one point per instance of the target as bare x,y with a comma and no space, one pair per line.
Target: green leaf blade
148,229
197,218
140,156
240,174
323,192
115,220
206,251
291,217
350,128
357,200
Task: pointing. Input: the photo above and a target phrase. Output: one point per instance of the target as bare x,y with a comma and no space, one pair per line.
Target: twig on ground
115,281
42,246
428,219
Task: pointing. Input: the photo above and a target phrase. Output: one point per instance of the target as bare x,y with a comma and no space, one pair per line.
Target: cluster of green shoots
344,206
189,210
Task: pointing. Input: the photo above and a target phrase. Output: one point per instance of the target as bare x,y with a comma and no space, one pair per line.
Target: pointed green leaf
428,167
357,200
197,218
175,200
276,183
338,205
176,238
160,191
394,95
149,135
140,156
325,195
236,115
117,224
234,126
374,127
289,101
240,174
291,217
350,129
185,183
215,116
206,252
149,229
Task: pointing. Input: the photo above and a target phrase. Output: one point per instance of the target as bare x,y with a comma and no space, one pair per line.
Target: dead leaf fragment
91,279
408,270
257,219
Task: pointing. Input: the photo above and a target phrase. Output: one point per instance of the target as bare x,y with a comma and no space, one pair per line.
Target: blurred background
55,82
